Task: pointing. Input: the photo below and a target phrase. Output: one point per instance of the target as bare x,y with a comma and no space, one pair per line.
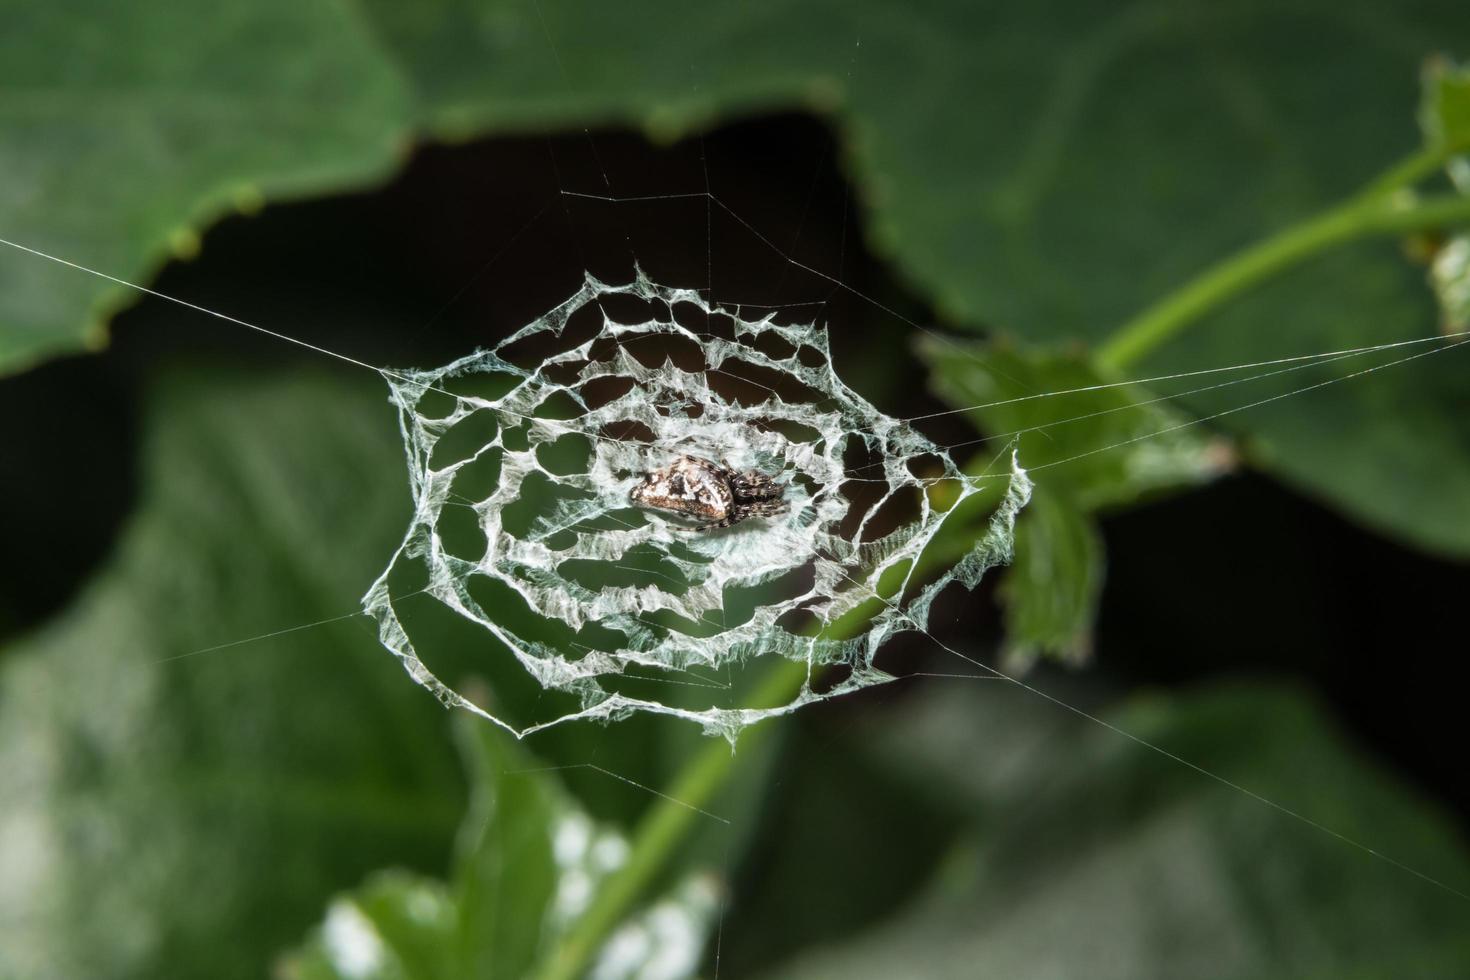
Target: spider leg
755,486
723,522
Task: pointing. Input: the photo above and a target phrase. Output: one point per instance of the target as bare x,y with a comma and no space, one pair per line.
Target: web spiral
521,459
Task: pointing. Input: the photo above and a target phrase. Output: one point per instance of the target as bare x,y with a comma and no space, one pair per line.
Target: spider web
521,459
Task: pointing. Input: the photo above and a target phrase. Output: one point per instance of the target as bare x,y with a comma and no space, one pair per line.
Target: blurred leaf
1089,855
1114,444
1445,118
818,877
1444,113
163,791
506,865
665,941
529,863
1117,442
130,127
1450,274
1392,444
166,786
397,925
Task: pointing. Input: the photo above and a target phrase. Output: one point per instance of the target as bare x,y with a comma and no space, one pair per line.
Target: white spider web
541,439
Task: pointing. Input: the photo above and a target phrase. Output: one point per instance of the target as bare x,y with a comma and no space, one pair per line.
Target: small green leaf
1106,443
1449,272
397,926
1445,117
1051,590
529,863
1091,445
1444,112
505,871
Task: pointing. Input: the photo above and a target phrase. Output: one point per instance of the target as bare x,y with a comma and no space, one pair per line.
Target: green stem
669,819
1375,212
1408,172
660,831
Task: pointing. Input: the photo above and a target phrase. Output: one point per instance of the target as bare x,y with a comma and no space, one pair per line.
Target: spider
701,488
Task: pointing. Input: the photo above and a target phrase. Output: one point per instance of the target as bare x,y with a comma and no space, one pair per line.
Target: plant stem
1408,172
1374,212
660,831
669,819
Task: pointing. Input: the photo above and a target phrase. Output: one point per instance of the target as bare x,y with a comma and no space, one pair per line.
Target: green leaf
529,863
1051,590
163,791
397,926
1103,442
1450,274
506,872
128,128
1445,118
1088,855
1444,113
1389,446
1093,445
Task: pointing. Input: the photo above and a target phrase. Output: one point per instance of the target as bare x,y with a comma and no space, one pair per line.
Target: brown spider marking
702,488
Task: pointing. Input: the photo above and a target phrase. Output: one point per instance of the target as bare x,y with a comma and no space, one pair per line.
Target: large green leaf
125,128
1088,855
189,816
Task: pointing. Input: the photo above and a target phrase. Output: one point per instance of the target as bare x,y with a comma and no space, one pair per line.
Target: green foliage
1041,172
1084,855
1450,274
130,127
1445,118
528,863
159,799
1066,169
1052,588
164,791
1051,171
1111,445
1444,113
